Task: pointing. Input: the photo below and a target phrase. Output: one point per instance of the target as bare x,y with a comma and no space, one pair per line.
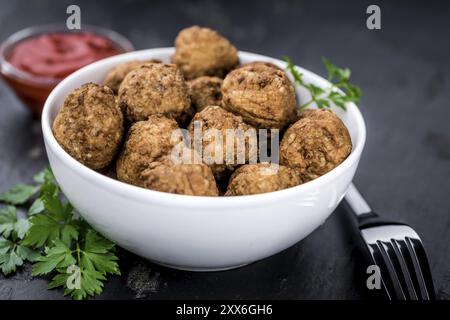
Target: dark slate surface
405,170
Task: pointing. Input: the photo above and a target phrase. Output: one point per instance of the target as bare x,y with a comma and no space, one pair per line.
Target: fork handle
360,209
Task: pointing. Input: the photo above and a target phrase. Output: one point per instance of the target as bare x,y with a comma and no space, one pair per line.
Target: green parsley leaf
54,206
339,93
19,194
9,261
5,245
8,220
9,223
91,284
96,255
26,253
94,260
55,223
21,227
36,207
45,176
331,69
58,256
322,103
315,90
12,255
48,183
45,229
295,74
341,74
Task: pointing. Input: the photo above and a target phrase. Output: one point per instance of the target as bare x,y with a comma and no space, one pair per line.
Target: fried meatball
261,178
89,125
205,91
203,52
115,76
147,142
154,88
315,144
263,96
189,179
212,120
259,64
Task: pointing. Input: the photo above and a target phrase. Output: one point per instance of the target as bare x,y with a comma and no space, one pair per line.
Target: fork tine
403,263
393,271
421,268
378,261
383,261
403,247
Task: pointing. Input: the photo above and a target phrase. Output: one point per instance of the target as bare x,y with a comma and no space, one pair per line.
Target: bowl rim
119,40
168,199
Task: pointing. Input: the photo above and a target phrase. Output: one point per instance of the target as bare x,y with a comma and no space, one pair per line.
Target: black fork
396,249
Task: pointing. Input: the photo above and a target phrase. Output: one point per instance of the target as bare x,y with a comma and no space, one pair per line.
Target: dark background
403,70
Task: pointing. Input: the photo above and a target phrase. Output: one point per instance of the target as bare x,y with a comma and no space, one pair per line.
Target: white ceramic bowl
196,233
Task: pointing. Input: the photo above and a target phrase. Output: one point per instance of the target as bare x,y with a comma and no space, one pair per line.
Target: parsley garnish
93,257
55,238
339,93
12,251
19,194
10,224
55,222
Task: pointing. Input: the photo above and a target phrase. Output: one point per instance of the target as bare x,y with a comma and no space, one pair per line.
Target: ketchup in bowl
35,60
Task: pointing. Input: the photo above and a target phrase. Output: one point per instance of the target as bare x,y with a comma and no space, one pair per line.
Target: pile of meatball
123,127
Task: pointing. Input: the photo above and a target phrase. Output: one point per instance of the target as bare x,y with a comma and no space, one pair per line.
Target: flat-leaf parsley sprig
339,93
55,238
12,251
92,256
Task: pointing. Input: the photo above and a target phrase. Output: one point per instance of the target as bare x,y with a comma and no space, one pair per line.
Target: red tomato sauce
58,55
48,58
